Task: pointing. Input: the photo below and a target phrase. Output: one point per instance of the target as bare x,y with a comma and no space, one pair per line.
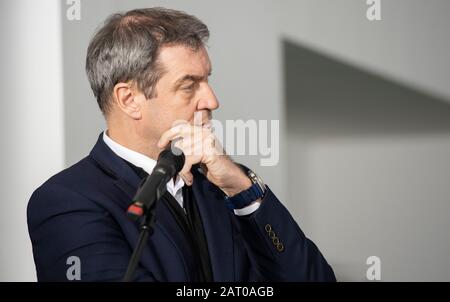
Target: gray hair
126,49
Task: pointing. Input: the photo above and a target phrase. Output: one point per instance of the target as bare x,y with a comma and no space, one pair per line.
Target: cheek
176,112
162,113
184,110
156,117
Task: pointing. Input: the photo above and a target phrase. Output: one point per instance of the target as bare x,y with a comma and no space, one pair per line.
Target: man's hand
200,145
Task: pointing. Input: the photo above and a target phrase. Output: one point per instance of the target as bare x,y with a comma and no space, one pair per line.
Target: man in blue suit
218,221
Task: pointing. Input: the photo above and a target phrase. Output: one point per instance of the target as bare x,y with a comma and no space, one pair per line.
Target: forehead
179,60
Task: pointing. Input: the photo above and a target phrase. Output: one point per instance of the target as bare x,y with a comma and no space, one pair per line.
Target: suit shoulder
64,190
82,172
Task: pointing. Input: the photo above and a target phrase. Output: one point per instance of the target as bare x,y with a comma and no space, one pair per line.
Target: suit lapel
217,226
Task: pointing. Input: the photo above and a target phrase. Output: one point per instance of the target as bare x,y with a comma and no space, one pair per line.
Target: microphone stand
146,230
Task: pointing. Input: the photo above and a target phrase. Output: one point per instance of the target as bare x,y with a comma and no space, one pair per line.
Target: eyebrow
190,77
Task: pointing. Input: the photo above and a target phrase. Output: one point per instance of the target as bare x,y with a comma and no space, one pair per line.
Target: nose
207,98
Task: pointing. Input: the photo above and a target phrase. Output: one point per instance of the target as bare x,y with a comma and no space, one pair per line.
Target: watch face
256,179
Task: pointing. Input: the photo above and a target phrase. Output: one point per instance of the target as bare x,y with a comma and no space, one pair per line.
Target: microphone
170,162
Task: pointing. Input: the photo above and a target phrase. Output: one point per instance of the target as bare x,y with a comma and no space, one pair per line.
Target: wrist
247,195
241,183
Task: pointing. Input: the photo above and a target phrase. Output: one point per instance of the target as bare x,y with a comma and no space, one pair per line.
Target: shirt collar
139,160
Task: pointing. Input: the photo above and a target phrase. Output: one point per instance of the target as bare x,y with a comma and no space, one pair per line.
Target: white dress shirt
148,164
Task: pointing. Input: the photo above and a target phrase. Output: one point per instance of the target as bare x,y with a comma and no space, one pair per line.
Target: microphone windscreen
173,155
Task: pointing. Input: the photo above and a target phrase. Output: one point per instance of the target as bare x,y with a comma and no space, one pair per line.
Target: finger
176,145
198,141
171,134
211,146
186,174
188,178
184,144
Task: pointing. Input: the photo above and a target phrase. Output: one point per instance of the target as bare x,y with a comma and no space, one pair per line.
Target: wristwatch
246,197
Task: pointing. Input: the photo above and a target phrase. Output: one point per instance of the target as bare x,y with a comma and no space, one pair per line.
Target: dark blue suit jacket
81,212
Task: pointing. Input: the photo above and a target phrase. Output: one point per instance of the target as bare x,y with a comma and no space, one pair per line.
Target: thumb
186,174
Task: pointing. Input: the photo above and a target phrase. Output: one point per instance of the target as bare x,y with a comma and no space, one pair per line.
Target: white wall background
31,121
410,45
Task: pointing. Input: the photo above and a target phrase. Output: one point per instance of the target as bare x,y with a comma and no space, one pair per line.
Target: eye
190,88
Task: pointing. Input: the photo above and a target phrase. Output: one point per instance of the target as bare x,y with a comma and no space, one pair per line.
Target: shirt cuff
248,209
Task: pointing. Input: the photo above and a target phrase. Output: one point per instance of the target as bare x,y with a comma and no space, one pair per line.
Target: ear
127,100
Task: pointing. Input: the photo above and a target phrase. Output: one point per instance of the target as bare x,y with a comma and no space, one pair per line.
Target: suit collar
131,156
112,164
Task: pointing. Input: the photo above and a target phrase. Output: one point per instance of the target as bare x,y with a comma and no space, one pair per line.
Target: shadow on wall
369,168
328,98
